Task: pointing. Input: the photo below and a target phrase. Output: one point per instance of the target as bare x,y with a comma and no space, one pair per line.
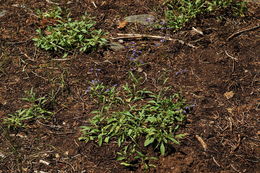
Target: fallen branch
140,36
242,31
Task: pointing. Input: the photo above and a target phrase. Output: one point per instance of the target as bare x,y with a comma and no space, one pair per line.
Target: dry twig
94,4
242,31
216,162
233,58
140,36
204,145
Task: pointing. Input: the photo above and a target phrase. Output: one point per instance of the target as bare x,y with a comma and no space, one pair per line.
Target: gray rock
145,19
116,46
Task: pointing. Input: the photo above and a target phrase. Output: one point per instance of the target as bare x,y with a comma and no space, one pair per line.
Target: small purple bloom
181,72
88,90
132,58
162,23
94,82
148,19
162,40
141,61
157,44
187,108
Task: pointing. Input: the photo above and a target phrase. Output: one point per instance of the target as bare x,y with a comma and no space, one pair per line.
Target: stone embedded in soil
145,19
116,46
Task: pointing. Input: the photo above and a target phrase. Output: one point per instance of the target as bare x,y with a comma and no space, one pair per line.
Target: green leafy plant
103,95
70,34
180,12
148,120
54,13
35,111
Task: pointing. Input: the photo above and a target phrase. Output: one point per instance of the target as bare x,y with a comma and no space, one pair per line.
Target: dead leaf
122,24
229,94
47,32
230,110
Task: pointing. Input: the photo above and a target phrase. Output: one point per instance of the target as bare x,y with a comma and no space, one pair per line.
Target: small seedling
35,111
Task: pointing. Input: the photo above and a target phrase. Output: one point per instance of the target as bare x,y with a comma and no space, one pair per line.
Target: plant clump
180,12
69,34
148,120
35,111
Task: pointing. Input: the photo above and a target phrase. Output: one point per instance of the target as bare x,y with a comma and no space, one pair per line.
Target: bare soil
203,75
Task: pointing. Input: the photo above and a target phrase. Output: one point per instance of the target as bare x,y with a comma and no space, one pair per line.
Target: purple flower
187,108
92,69
132,58
162,40
157,44
88,90
181,72
94,82
162,23
148,19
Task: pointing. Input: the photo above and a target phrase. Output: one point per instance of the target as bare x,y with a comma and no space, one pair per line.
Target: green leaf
120,158
162,149
100,139
125,164
180,136
130,131
107,139
148,141
173,140
85,128
153,158
151,119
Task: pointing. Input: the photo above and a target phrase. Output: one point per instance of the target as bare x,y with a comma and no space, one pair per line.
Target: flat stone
116,46
145,19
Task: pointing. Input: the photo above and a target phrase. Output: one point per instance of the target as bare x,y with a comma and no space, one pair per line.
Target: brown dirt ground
229,127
